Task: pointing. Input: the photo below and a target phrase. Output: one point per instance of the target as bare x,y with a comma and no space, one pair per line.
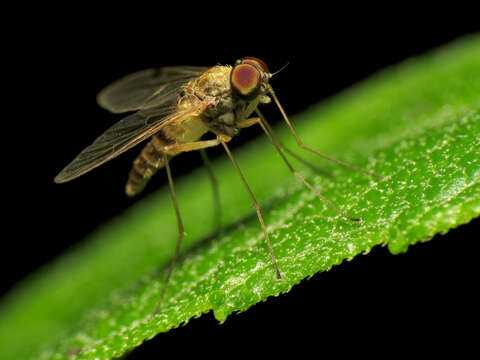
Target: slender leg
176,148
260,121
287,150
303,146
181,233
216,194
257,208
195,145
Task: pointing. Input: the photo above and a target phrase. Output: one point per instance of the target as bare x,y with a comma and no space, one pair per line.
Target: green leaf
417,123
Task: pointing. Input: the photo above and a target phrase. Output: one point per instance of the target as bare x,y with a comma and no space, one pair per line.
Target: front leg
259,120
262,123
303,146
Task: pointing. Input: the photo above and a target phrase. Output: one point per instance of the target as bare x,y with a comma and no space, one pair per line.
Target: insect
174,107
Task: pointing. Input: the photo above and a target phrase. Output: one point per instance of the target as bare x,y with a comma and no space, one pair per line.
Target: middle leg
260,121
217,209
174,149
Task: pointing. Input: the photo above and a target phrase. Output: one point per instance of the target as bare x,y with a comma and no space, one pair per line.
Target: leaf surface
417,123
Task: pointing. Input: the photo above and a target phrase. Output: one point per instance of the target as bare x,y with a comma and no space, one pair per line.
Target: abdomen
152,157
147,164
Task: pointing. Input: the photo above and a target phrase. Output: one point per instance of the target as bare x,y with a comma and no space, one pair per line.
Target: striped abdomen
146,164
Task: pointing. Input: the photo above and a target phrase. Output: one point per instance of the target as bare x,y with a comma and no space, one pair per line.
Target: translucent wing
122,136
145,89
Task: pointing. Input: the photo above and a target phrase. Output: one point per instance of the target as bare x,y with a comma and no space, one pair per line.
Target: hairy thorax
221,110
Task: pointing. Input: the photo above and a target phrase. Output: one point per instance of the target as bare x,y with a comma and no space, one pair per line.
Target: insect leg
257,208
262,122
287,150
216,194
176,148
303,146
181,233
195,145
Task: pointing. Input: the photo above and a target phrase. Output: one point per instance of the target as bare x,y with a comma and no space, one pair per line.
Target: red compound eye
255,62
245,79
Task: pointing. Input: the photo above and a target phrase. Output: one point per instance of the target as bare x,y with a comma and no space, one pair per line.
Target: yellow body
201,93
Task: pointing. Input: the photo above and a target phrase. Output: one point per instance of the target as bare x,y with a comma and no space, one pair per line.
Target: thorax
220,111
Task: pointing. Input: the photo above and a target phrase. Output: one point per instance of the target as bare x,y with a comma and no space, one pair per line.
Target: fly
174,107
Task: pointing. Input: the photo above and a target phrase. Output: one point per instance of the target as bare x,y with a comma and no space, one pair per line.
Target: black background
68,55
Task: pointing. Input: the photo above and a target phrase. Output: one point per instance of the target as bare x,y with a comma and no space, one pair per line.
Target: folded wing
122,136
146,89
